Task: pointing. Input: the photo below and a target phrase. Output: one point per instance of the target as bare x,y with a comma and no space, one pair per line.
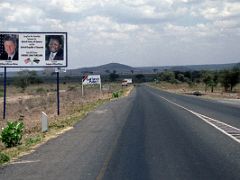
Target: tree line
228,79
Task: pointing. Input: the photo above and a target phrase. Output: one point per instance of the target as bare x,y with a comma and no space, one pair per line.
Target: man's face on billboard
54,45
9,47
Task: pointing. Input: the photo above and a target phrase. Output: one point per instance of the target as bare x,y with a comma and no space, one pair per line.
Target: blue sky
136,32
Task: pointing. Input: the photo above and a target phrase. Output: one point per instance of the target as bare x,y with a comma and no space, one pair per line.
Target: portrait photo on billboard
54,47
9,47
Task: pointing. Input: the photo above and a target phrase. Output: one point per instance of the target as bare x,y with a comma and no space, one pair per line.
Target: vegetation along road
149,135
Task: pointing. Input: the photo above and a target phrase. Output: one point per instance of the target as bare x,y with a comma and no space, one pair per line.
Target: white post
44,119
82,87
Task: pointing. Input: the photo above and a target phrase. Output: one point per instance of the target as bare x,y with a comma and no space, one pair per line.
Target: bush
115,94
41,90
3,158
12,134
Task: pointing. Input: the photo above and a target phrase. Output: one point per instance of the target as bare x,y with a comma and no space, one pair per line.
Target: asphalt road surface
149,135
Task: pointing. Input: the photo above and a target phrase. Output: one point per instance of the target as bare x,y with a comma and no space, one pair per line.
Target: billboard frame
46,33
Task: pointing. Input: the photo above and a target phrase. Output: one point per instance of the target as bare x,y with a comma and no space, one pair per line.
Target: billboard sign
91,79
33,49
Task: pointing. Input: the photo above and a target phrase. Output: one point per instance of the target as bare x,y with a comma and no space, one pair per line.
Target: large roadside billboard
33,49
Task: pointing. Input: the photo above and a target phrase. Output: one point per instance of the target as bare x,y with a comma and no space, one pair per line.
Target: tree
140,78
113,76
206,78
234,77
181,77
168,76
155,70
230,78
214,81
107,71
210,79
25,78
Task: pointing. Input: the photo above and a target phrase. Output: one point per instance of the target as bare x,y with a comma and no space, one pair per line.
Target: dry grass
36,99
184,88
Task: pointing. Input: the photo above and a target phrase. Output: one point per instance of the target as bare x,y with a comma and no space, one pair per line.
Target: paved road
149,135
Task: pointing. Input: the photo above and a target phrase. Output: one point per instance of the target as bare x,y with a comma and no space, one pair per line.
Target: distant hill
104,69
107,68
125,70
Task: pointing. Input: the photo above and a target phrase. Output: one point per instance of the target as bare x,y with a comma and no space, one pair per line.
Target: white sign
91,79
60,70
33,49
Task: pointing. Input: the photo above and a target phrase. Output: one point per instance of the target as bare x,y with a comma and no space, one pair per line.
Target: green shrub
3,158
12,134
115,94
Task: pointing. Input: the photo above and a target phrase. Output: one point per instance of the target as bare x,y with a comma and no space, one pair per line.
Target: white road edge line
204,118
24,162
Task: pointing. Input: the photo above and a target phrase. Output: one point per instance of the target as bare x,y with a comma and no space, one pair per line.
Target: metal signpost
5,90
57,70
32,50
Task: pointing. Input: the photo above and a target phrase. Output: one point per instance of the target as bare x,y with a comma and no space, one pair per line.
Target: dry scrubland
184,88
28,106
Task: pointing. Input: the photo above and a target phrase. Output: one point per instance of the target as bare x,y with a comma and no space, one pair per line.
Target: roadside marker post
44,120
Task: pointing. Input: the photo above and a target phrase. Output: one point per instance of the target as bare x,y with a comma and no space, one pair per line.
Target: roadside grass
1,91
184,88
31,140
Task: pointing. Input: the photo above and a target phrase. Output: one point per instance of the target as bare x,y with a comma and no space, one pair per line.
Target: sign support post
5,90
91,79
82,88
58,99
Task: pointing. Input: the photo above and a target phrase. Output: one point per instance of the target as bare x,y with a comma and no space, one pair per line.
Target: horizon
40,69
160,66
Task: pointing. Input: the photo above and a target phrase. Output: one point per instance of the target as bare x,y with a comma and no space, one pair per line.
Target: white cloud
146,29
20,13
231,9
102,28
72,6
